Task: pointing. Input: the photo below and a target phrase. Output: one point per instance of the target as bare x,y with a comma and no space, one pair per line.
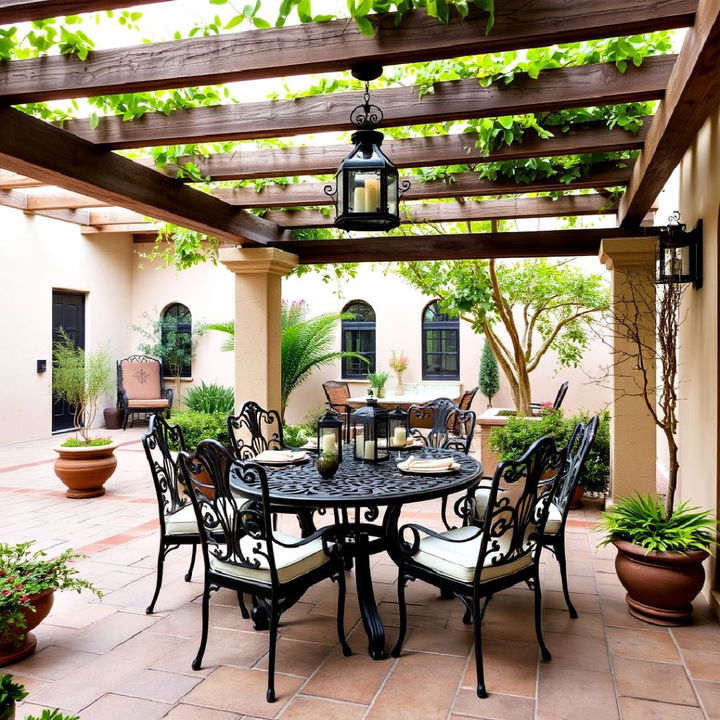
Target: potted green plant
81,379
661,547
28,580
378,381
10,693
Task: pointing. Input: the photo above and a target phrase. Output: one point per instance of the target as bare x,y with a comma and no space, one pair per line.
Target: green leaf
365,26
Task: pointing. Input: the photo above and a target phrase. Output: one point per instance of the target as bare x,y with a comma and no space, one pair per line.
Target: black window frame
445,324
182,327
357,326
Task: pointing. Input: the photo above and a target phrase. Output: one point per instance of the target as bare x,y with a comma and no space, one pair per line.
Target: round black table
365,488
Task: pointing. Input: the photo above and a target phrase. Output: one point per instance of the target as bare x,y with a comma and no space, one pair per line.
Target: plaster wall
36,255
698,362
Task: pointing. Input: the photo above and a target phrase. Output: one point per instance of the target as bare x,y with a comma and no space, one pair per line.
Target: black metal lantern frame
367,189
329,437
398,428
370,426
679,253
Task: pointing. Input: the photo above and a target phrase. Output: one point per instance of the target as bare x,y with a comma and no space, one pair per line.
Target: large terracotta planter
12,652
660,585
85,469
576,501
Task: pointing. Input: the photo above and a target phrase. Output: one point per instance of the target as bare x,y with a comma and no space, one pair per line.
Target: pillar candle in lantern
372,195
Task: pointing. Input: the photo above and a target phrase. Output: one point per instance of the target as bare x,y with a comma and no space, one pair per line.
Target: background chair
255,430
337,394
450,427
243,552
577,451
140,387
473,563
558,398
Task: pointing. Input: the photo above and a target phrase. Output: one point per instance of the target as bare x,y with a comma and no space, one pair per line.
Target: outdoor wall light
679,253
367,188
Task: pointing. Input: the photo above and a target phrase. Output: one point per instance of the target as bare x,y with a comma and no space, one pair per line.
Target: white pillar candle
359,200
329,445
372,194
369,450
399,437
359,446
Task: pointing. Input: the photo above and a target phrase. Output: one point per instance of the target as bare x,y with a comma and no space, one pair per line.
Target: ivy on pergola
539,106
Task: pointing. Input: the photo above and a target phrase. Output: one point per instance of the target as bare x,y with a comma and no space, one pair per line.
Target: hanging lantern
329,438
679,253
398,428
367,188
370,426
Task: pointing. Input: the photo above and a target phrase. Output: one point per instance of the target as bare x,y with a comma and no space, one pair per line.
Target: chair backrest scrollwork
562,392
518,504
254,430
445,419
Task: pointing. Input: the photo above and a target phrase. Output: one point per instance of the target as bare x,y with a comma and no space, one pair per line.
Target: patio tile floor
106,659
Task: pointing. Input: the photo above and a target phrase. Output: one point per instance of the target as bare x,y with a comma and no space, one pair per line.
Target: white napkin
413,463
278,456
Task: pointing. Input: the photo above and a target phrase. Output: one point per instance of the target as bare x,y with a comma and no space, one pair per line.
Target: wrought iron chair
244,553
255,430
577,451
337,394
140,387
557,403
451,428
473,563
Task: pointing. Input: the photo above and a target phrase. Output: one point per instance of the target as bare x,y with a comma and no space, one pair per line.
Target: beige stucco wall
36,255
698,412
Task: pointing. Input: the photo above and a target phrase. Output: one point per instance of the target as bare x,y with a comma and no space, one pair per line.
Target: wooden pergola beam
466,184
543,243
467,211
329,47
690,98
599,84
61,200
13,11
411,152
37,149
10,180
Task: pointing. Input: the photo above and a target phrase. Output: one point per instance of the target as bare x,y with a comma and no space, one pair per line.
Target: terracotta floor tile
578,651
447,642
553,599
243,691
192,712
52,663
589,624
570,693
703,665
709,693
315,628
701,636
635,709
156,685
615,614
113,707
653,681
355,679
303,708
297,657
494,706
580,584
421,685
642,645
105,634
510,668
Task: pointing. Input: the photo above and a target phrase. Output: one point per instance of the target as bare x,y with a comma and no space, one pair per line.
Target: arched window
440,344
176,335
358,335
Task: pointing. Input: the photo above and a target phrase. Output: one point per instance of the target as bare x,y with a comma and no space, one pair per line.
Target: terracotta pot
660,585
11,652
85,469
114,417
577,497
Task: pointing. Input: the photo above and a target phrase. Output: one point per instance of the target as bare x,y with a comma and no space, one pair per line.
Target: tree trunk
673,469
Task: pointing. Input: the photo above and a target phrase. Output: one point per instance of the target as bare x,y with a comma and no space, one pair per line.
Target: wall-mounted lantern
679,253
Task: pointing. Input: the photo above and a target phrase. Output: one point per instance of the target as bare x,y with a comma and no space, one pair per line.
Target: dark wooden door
68,313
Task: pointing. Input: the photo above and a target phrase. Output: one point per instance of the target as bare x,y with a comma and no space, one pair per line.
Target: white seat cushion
458,561
482,495
182,522
290,562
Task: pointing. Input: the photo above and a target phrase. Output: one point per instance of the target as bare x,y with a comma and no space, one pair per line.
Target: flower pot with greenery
10,693
377,381
28,580
81,379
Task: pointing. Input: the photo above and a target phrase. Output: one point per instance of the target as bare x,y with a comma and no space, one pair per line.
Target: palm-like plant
306,344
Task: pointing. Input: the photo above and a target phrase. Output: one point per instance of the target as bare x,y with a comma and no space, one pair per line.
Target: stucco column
632,429
258,276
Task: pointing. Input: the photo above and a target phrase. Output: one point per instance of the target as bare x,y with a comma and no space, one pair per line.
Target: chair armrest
327,534
456,444
410,548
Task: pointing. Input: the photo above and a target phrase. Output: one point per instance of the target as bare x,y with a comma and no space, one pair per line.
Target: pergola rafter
13,11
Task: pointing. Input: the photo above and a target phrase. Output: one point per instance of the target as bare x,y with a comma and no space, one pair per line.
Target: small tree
81,379
488,376
531,300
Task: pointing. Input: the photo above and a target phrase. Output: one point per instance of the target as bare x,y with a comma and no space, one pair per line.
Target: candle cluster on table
370,426
399,427
329,439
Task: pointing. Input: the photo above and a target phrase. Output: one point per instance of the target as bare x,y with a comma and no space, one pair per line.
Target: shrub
211,398
297,435
312,417
94,442
488,375
10,692
197,426
513,439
